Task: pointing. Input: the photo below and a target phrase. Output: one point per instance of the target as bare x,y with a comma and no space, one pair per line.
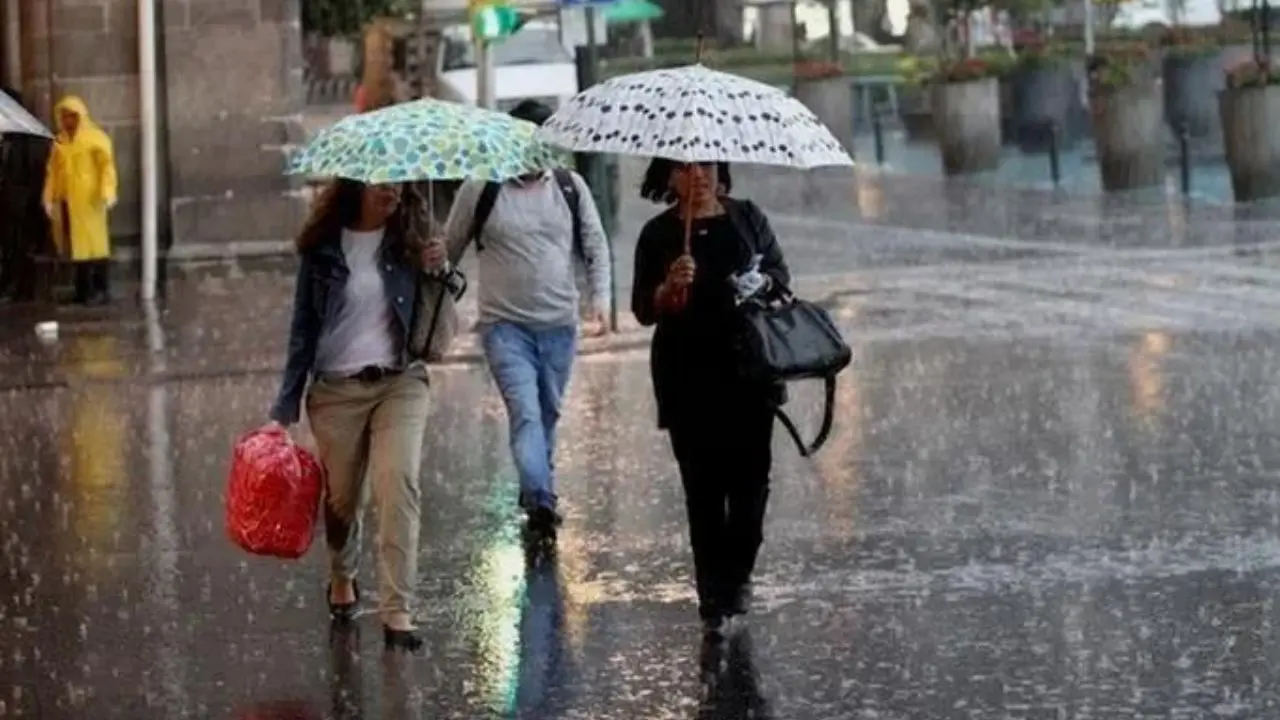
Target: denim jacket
317,300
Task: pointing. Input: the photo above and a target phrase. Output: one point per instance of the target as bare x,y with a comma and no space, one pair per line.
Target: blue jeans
531,368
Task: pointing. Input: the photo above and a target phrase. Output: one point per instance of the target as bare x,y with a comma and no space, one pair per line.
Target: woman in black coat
721,426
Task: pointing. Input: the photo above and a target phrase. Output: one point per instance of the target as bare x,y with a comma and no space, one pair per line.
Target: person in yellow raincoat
79,190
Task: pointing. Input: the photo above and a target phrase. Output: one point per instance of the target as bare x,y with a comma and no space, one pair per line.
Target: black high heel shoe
343,612
406,640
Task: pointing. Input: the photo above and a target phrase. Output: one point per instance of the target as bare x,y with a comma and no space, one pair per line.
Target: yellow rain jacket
82,174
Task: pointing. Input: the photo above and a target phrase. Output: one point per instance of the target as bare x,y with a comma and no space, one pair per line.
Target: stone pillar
831,100
233,78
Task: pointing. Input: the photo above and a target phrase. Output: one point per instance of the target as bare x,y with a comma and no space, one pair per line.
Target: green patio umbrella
632,11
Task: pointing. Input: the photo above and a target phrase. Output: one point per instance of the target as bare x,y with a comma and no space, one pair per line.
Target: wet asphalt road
1050,494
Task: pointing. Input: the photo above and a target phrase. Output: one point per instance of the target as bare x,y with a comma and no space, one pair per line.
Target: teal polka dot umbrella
426,140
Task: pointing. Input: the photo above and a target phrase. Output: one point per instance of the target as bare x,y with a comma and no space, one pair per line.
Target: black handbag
783,339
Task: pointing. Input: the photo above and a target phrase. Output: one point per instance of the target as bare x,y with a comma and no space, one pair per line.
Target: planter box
1249,120
1043,97
1128,127
832,101
915,112
966,119
1191,86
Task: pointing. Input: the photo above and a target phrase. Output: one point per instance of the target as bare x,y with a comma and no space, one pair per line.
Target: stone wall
233,97
230,102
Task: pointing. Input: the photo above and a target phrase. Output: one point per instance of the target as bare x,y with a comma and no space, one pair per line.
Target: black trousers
724,452
22,234
92,280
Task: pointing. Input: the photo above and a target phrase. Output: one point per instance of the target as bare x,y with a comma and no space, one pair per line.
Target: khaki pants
373,431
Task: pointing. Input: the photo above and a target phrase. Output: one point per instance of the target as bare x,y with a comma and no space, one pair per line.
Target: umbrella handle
688,220
681,297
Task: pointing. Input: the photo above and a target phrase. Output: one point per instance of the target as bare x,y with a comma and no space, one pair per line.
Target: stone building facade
231,95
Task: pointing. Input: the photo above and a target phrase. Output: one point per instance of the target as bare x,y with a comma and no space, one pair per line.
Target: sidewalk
222,326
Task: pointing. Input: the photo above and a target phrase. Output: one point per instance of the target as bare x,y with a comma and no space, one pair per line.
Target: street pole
833,31
486,75
592,167
150,137
1088,28
593,58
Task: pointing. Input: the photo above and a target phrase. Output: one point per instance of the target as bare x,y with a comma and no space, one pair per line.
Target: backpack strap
569,189
828,419
484,208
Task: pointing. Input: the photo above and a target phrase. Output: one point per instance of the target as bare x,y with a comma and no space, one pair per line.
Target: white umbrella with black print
694,114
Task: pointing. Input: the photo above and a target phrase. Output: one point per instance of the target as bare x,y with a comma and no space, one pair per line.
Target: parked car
858,42
531,64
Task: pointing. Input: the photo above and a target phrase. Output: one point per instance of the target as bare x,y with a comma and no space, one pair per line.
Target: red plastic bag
273,494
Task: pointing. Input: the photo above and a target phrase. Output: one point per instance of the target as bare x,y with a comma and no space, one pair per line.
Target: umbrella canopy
426,140
694,114
15,119
632,11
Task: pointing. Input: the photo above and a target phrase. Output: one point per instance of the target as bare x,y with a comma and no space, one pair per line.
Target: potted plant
1250,113
1190,68
913,96
823,87
1127,108
1044,94
965,98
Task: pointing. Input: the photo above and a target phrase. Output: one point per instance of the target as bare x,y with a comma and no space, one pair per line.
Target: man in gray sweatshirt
524,232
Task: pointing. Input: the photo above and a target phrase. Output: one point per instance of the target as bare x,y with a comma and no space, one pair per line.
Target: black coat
692,357
23,162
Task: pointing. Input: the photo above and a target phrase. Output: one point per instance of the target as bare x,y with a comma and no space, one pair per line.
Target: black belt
374,373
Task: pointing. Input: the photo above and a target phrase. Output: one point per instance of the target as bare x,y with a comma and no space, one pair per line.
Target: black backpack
568,188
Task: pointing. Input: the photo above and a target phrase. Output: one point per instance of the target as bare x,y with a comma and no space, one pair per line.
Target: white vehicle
532,64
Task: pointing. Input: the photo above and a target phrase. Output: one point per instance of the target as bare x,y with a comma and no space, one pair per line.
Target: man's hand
595,325
49,209
435,257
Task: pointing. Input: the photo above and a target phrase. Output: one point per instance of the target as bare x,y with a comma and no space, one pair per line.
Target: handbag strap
828,419
445,287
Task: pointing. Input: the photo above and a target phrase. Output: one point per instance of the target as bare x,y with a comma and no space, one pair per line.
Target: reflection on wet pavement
1051,493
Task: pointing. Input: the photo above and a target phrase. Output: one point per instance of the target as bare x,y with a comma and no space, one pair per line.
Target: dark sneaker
545,520
715,627
406,640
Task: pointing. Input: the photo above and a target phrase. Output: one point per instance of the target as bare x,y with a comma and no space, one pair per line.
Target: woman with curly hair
362,254
720,425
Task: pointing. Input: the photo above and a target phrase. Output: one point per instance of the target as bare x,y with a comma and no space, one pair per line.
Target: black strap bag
783,338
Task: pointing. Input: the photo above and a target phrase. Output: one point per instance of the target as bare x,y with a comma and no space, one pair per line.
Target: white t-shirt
360,335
